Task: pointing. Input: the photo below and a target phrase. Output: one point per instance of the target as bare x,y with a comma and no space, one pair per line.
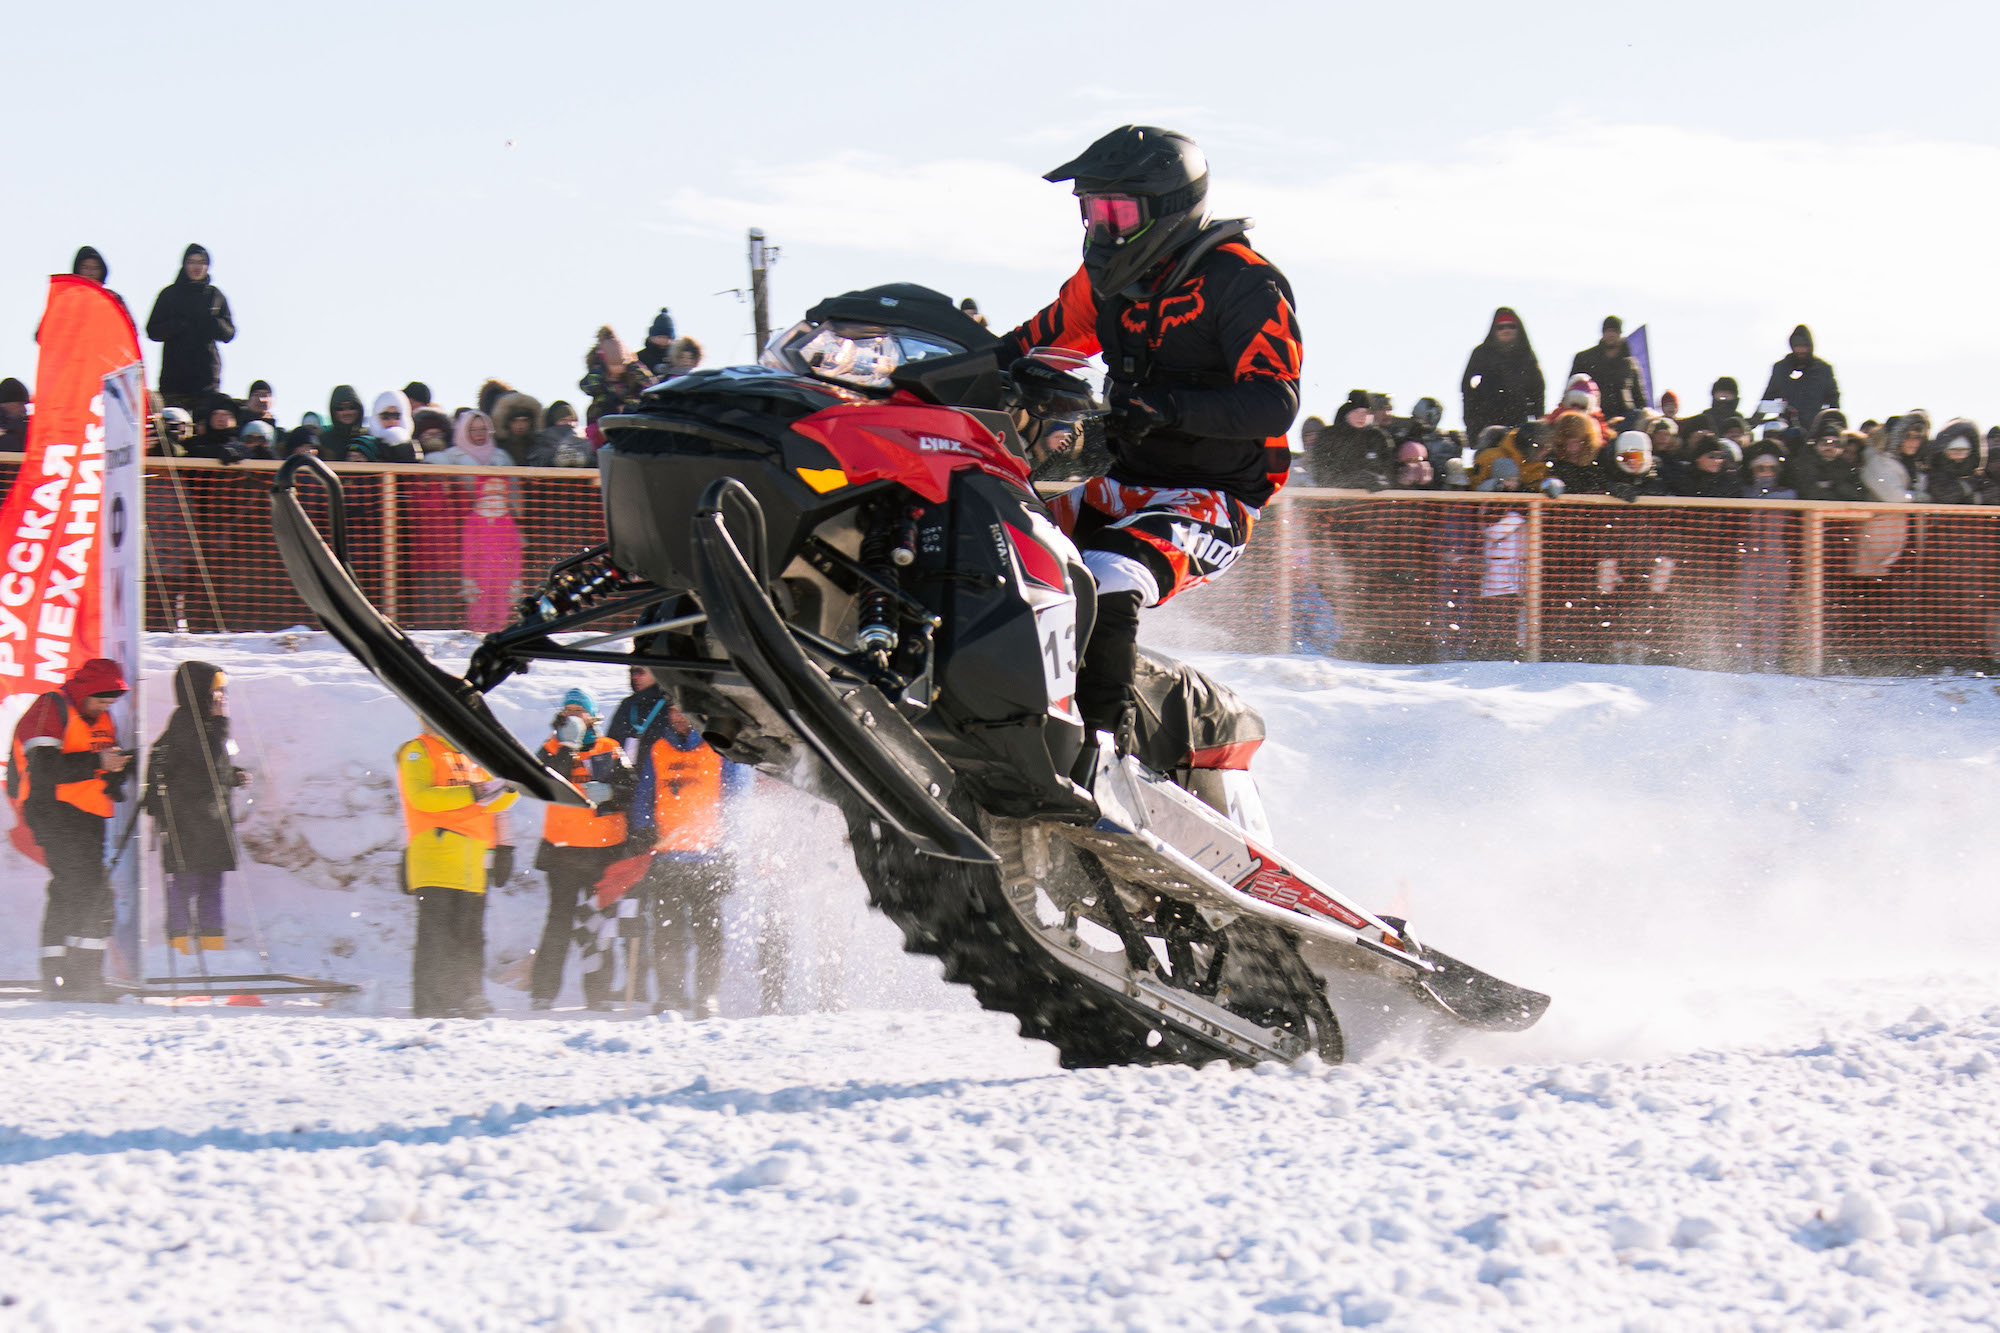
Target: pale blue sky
1716,171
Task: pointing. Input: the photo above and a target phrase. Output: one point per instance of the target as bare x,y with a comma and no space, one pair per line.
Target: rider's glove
1046,391
1139,411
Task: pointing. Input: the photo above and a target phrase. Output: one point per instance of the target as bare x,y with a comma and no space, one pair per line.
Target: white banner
121,609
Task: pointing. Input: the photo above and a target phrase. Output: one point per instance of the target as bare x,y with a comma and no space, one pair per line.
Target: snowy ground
1763,1098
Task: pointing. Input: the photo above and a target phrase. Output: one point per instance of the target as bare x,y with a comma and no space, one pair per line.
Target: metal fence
1396,576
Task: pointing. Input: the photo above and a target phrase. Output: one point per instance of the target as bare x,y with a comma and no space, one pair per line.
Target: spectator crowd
1602,436
194,417
460,542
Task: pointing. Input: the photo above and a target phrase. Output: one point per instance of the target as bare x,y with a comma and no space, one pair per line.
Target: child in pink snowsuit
489,541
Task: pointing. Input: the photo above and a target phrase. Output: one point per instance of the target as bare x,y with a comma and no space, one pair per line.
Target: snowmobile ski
1155,832
450,706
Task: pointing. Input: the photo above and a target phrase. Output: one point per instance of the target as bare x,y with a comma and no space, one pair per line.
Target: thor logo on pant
1205,547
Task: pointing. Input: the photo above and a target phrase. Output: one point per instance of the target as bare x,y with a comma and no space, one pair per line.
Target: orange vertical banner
49,524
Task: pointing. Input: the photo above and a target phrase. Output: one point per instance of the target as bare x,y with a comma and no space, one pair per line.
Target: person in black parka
189,777
347,438
1353,453
1503,383
1803,380
188,320
90,264
1621,391
13,424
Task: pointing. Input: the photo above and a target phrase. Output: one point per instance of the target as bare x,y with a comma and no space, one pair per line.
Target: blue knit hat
580,696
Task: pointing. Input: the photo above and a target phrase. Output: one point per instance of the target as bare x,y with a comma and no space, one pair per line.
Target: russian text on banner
49,560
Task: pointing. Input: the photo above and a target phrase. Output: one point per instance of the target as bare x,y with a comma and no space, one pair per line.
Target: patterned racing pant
1152,540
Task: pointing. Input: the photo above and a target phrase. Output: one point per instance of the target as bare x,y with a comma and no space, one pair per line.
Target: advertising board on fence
121,602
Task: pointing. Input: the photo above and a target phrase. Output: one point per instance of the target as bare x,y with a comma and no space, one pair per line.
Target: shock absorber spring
877,634
904,552
573,585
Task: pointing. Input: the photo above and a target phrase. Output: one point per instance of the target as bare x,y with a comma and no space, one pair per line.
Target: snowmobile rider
1197,332
67,776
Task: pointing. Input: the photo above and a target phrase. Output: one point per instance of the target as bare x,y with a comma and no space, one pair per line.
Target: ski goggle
1112,217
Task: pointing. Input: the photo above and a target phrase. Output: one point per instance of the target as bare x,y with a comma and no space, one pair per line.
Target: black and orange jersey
1224,340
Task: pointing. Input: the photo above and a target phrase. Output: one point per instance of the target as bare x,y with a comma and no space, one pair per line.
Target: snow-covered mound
324,830
1761,1100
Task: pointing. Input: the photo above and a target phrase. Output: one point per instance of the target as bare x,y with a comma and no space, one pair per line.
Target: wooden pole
1531,625
391,526
760,290
1813,654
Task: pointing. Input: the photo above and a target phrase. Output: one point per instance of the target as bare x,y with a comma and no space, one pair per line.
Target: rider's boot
1104,681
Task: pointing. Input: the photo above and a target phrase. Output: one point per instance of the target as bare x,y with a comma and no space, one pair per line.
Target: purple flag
1642,353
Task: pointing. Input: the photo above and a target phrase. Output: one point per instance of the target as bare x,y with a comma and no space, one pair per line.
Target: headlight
864,355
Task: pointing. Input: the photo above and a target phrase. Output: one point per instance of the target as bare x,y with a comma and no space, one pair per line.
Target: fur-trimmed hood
514,403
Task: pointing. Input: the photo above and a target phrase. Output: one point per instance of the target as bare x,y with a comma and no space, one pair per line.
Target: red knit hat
100,675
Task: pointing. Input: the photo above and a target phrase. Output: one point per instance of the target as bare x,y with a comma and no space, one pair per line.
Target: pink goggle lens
1112,216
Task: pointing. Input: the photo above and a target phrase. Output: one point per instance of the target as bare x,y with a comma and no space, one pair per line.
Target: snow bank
1680,857
325,834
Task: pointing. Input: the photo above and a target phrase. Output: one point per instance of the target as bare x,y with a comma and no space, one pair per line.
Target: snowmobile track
958,913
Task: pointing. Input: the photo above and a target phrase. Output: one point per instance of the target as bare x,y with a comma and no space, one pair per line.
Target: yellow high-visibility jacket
450,830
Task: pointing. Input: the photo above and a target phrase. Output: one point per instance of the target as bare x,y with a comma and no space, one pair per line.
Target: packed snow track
239,1170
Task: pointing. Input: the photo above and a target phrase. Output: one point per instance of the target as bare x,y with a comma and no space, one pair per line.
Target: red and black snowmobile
838,563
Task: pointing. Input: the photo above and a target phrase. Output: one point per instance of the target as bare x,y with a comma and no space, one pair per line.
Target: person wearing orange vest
683,797
66,778
454,811
578,845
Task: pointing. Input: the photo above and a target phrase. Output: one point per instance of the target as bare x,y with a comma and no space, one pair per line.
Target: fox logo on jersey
1176,308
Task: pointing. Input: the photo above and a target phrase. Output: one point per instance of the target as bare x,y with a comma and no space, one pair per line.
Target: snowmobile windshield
863,355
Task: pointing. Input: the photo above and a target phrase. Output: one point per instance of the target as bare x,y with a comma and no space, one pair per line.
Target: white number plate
1055,626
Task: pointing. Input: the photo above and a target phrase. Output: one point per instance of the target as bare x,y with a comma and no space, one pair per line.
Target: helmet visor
1112,217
